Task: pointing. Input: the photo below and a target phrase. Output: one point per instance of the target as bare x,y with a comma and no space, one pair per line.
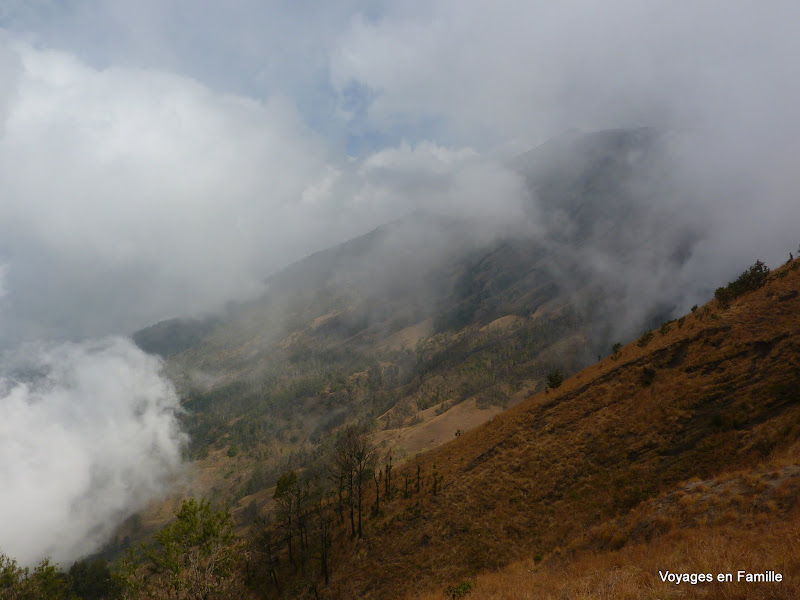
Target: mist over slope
434,311
596,223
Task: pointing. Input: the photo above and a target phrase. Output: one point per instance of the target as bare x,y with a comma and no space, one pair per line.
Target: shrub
724,296
615,350
751,279
645,339
648,375
460,590
555,379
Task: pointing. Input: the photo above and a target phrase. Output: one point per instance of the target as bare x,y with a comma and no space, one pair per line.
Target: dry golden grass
633,572
661,459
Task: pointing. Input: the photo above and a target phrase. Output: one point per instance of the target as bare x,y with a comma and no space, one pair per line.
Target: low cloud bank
88,436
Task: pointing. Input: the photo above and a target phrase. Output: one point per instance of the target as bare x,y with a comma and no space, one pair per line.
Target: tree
354,455
377,476
265,548
45,582
92,580
389,490
363,453
343,463
323,518
194,557
436,480
286,491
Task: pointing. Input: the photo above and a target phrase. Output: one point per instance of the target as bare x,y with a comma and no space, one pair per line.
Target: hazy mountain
433,312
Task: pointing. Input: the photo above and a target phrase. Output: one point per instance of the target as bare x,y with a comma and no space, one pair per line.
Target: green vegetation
460,590
645,339
196,556
554,379
750,280
44,582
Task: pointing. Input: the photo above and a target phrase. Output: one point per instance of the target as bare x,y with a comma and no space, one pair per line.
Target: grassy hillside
678,443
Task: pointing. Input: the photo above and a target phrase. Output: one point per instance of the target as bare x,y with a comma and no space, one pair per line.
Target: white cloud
84,443
490,73
321,190
145,175
426,157
140,194
136,190
502,75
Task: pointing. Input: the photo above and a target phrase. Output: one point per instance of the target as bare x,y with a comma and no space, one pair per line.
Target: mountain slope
712,394
404,319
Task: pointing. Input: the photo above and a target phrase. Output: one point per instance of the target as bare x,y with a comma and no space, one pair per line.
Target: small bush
460,590
724,296
555,379
694,308
751,279
645,339
616,351
648,375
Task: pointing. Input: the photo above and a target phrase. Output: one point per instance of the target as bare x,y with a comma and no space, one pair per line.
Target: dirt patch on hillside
407,338
435,429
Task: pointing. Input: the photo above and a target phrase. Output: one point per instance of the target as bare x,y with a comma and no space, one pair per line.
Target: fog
163,159
147,175
89,435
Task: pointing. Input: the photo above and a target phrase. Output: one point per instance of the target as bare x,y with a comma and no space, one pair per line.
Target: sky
161,158
158,159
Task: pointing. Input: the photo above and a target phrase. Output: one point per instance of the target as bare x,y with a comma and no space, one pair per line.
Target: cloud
716,75
138,194
169,165
513,69
88,436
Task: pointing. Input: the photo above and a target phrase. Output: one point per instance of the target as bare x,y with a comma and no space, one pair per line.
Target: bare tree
323,521
265,546
343,463
286,490
363,459
355,456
